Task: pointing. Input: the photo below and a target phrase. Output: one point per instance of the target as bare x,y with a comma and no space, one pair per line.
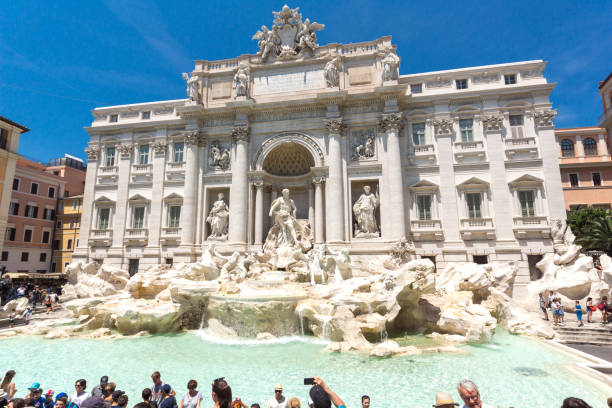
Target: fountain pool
510,371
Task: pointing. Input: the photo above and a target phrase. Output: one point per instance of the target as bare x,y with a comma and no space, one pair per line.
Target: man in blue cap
32,388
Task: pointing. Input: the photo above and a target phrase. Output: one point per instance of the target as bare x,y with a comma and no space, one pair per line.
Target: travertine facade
462,162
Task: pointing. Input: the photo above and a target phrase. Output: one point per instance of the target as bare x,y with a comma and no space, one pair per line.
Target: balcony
108,175
477,228
170,235
422,155
142,173
175,171
100,237
136,236
521,148
536,226
470,152
422,230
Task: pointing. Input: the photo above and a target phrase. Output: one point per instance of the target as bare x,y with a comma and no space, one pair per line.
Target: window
27,235
527,200
114,118
516,126
58,224
133,268
51,192
110,157
174,216
48,214
424,207
143,156
34,188
596,179
510,79
573,179
103,218
10,233
16,184
53,267
31,211
474,205
25,256
461,83
56,244
67,193
146,115
138,217
466,126
418,134
567,148
69,244
416,88
75,204
43,257
179,147
3,138
4,256
71,224
169,261
14,208
480,259
45,237
590,147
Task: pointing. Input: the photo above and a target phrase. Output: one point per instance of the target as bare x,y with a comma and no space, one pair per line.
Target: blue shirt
39,403
49,404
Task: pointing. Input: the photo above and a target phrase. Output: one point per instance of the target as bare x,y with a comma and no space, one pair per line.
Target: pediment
173,196
473,182
424,185
526,179
103,199
138,197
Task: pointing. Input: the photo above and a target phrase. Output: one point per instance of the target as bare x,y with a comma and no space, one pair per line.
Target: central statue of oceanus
283,212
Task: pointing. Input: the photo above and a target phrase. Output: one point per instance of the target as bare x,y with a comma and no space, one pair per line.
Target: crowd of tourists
106,394
553,303
36,295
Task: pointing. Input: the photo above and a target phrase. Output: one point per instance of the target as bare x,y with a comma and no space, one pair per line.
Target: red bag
592,308
601,306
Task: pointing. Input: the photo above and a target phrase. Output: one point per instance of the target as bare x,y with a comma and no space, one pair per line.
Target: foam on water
211,337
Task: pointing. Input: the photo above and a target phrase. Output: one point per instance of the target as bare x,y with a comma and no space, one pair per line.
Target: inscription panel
360,75
221,90
288,80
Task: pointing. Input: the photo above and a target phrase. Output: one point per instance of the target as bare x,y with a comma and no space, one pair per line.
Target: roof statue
289,36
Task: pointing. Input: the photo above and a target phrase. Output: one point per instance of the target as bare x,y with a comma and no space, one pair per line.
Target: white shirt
78,399
273,403
483,406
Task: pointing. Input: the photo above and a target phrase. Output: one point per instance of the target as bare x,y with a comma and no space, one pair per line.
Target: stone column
121,220
156,221
87,213
501,195
200,190
258,212
188,212
392,172
318,210
335,185
239,189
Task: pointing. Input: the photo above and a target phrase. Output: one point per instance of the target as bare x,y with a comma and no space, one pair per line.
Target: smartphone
309,381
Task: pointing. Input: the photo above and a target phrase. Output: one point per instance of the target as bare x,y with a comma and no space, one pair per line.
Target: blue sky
58,60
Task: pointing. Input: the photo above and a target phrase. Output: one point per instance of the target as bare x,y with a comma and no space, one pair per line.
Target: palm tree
597,235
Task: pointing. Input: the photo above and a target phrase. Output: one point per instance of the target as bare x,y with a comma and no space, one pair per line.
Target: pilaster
81,251
121,219
550,163
335,207
156,221
188,212
239,189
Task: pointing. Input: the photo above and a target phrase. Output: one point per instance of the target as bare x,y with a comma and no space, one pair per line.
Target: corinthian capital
390,121
493,123
125,150
544,118
318,180
160,147
240,133
443,127
334,126
92,152
192,137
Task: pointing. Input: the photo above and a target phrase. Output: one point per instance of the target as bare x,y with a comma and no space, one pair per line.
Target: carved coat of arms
289,36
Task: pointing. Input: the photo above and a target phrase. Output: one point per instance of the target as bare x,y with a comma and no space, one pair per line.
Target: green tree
597,235
579,218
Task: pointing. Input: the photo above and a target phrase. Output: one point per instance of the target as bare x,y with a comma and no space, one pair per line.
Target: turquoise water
504,370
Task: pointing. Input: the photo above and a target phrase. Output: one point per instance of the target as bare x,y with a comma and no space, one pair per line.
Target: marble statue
364,150
219,157
390,65
342,266
231,262
268,42
193,87
317,264
241,80
306,37
218,218
401,251
283,211
332,79
364,208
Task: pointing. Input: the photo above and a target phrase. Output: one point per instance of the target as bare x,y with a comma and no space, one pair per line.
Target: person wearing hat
100,389
278,400
444,400
49,403
39,400
168,400
33,389
322,396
